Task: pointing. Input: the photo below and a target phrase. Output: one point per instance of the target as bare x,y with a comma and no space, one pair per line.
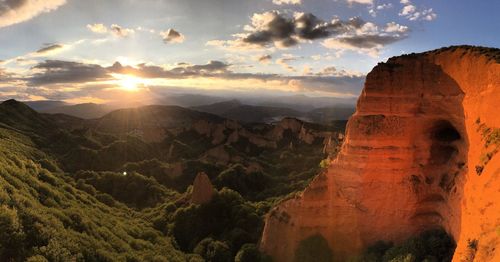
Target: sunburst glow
129,82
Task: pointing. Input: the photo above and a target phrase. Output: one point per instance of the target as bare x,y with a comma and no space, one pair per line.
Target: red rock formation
203,190
408,162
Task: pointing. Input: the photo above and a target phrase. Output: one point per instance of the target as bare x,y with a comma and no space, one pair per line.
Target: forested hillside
114,189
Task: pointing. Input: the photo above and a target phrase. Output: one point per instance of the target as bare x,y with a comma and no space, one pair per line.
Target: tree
11,235
248,253
213,251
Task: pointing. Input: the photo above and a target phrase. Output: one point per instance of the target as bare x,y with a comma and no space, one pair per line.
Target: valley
118,187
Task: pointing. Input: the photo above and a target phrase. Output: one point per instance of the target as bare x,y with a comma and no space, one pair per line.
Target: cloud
114,30
306,70
270,27
264,59
5,76
285,60
210,67
412,13
363,2
68,75
276,29
172,36
49,49
375,9
57,71
120,31
333,71
17,11
329,71
393,27
63,72
368,38
182,70
368,44
280,30
97,28
79,81
32,58
287,2
384,6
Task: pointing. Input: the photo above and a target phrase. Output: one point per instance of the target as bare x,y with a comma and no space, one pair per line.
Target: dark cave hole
444,131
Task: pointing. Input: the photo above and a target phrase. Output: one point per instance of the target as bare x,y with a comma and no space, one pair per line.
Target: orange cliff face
408,163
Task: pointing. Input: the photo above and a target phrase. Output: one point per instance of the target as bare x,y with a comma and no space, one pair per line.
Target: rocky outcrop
409,162
203,190
268,139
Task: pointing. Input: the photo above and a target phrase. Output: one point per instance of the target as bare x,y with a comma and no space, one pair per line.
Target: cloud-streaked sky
104,50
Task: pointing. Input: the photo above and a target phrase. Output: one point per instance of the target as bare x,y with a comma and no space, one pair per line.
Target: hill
118,188
44,104
85,111
234,109
46,214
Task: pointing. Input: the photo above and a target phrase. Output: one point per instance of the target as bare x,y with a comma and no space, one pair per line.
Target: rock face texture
203,190
413,159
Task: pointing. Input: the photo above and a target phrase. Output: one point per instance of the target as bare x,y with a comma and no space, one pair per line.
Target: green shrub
248,253
236,178
213,250
11,235
219,218
37,258
433,245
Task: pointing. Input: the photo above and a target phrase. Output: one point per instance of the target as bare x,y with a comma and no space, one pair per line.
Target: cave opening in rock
444,131
443,135
439,198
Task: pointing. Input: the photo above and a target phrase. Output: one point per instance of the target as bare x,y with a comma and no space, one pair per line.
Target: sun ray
129,82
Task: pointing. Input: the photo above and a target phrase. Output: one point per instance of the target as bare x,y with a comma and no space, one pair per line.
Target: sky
115,50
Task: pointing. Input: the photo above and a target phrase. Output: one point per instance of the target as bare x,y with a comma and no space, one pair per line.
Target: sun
129,82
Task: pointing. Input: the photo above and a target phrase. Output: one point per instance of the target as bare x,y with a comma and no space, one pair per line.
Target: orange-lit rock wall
407,164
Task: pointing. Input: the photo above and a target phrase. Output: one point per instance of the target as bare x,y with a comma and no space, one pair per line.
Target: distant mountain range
247,110
85,111
235,110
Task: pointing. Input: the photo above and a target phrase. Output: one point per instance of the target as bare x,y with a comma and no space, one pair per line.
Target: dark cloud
120,31
265,58
212,66
57,71
310,27
278,28
172,36
183,70
9,5
49,48
282,30
370,41
53,72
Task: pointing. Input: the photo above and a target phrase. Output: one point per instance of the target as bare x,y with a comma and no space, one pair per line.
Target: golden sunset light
249,130
129,82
